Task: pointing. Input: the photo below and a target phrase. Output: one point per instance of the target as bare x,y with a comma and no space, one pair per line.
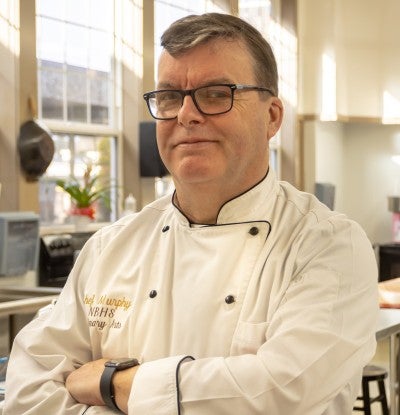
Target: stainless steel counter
389,327
17,307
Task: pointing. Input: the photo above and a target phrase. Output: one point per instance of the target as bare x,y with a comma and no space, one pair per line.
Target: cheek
162,140
250,131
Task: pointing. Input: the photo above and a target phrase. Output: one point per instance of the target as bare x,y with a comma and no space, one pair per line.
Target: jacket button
229,299
153,293
253,231
165,228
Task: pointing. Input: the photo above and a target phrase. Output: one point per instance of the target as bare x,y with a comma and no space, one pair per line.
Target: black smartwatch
106,386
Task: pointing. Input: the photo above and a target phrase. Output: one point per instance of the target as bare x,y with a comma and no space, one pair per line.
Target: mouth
195,142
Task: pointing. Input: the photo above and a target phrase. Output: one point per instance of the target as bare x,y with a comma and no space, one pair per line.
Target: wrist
122,383
109,386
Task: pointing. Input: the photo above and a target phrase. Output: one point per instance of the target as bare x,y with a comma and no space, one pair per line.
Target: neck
201,203
199,207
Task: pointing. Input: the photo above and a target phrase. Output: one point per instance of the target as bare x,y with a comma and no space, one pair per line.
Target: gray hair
194,30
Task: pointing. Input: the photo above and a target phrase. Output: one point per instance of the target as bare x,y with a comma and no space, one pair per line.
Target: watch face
122,363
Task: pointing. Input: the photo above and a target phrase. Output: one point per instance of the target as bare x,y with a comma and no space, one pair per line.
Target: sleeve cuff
155,387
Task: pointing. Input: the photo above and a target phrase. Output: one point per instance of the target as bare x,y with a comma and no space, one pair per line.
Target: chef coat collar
246,207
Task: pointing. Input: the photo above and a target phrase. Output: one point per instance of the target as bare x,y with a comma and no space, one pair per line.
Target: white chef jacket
276,304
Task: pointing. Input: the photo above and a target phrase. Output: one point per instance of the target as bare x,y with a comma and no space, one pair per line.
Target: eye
214,92
166,99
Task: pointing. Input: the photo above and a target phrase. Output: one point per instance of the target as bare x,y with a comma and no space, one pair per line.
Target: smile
194,143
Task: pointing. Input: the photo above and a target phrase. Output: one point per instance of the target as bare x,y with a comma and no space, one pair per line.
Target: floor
381,358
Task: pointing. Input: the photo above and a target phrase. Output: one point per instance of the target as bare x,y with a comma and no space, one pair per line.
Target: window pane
51,8
53,202
51,88
99,93
78,34
76,94
100,51
100,12
73,154
258,13
77,11
50,40
167,11
76,46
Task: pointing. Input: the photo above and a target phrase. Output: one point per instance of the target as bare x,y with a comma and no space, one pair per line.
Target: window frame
112,129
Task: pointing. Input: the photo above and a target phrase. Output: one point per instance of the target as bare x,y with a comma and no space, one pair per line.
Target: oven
57,255
389,261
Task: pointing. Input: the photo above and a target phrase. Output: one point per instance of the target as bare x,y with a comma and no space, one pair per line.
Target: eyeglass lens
210,100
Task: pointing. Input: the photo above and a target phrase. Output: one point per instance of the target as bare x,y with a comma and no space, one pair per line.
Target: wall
349,58
370,175
17,85
27,82
9,48
324,157
315,37
359,92
356,158
368,53
132,72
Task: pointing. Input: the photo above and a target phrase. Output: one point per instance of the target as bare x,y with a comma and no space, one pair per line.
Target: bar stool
378,374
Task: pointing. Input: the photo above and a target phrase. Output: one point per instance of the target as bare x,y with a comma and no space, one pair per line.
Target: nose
188,113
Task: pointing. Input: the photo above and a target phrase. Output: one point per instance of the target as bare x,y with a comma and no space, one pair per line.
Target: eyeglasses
209,100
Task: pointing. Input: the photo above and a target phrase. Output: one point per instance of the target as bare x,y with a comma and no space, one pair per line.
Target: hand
84,384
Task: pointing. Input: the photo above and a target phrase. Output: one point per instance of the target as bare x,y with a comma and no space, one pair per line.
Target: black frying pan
36,149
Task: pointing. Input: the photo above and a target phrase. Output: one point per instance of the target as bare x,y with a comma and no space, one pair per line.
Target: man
241,295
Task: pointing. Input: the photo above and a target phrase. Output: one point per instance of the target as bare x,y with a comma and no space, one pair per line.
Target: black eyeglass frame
191,92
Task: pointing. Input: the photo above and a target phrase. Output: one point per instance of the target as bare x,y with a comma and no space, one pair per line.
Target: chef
238,294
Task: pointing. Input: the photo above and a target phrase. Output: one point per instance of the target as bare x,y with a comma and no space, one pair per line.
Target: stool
373,373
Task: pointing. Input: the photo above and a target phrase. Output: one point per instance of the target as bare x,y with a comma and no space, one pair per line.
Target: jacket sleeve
317,340
45,351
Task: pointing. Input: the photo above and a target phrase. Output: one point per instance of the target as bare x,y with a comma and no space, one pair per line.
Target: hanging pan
36,149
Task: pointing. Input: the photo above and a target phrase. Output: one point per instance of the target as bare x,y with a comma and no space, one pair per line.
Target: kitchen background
340,66
340,81
349,105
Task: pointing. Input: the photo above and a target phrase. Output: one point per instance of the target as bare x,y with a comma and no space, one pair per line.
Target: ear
275,115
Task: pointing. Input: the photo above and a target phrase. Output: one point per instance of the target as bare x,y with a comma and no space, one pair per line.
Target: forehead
227,60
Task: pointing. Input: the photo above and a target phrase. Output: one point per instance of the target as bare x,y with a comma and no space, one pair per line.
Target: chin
193,171
197,177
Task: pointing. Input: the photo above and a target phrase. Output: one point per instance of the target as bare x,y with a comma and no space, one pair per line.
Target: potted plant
84,194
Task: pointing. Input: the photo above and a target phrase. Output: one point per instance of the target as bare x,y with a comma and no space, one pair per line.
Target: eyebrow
215,81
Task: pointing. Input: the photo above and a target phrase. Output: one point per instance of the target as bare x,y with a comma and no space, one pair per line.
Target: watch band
106,387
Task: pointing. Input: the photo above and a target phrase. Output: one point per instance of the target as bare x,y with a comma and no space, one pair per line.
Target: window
75,60
166,12
258,13
73,153
76,96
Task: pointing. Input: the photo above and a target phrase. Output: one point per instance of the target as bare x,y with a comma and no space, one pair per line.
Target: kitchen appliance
19,242
57,256
325,193
389,261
